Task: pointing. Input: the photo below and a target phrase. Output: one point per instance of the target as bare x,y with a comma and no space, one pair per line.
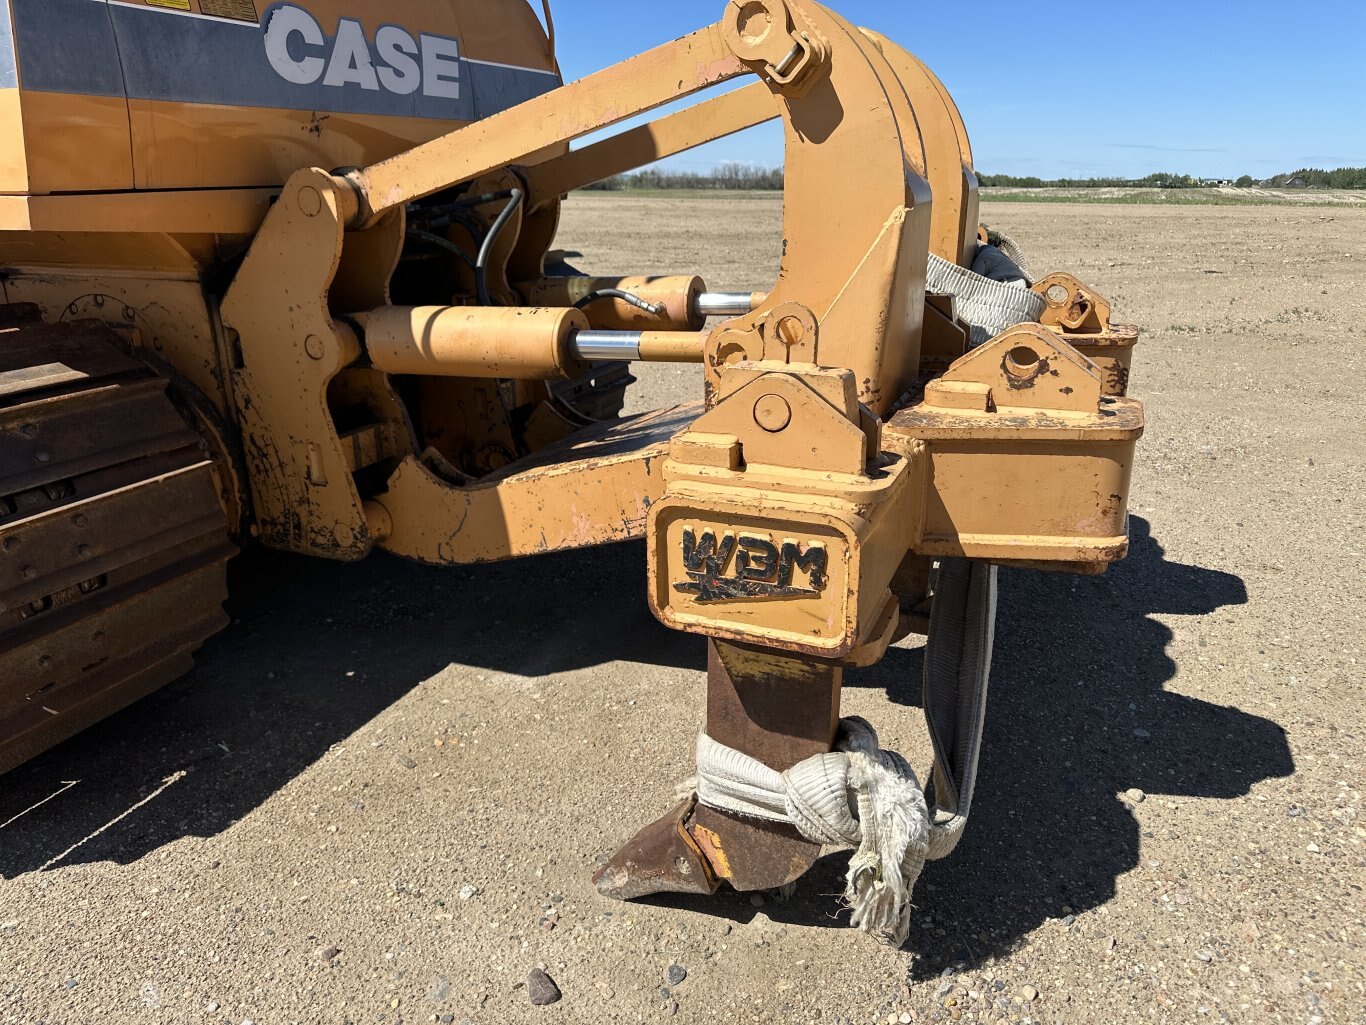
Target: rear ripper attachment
393,359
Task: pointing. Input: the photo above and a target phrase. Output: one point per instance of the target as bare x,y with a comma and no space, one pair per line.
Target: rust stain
712,850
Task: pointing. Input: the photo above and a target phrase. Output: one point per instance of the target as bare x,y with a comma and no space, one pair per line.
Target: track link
113,543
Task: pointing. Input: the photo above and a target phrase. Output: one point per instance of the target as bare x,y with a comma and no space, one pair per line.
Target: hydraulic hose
657,309
514,198
441,243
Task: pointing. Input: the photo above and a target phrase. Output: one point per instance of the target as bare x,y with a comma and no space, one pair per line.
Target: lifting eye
1022,365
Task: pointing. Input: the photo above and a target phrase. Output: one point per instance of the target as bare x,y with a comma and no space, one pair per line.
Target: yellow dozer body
282,273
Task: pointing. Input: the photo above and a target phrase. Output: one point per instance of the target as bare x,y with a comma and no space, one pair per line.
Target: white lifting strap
864,797
988,306
856,796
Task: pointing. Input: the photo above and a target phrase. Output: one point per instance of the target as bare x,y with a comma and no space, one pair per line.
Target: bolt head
772,413
310,201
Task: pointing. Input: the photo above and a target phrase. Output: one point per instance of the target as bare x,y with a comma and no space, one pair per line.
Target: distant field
1182,197
1125,196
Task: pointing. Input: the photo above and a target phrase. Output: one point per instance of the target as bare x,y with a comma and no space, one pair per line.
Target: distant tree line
724,176
770,179
1342,178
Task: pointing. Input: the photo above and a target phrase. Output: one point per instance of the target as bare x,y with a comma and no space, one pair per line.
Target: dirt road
380,797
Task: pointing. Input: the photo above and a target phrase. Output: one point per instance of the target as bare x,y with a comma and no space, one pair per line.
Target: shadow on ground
1078,714
315,651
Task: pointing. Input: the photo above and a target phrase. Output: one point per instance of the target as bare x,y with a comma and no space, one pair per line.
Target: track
113,544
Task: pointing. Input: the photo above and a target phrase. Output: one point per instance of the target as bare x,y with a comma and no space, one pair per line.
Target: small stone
541,988
1110,944
71,984
1204,955
726,929
211,1007
440,990
446,1019
664,994
550,921
905,1019
756,900
1250,933
405,762
607,991
1135,795
1314,848
468,892
1029,993
1142,734
326,953
676,974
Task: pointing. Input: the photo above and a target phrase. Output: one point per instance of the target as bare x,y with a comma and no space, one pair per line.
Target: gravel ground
381,795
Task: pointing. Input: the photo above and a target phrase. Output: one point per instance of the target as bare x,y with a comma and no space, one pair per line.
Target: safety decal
236,10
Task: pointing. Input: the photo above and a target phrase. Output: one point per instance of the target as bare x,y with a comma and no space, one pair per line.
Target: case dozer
282,274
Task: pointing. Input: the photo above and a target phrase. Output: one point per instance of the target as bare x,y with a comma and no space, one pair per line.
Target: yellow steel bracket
286,351
1028,458
1071,305
777,529
1082,316
853,147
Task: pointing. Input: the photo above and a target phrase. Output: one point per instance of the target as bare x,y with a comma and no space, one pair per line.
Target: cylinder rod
728,304
638,346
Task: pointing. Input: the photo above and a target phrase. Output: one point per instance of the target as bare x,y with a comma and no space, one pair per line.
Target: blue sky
1080,89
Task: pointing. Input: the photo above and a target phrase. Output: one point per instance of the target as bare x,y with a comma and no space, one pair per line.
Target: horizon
1219,96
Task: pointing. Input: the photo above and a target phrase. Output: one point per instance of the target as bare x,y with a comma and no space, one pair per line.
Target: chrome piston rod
638,346
727,304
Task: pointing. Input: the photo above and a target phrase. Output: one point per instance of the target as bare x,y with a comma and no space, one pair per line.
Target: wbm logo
757,567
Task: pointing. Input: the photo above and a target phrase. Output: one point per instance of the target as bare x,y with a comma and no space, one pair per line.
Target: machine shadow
315,651
1077,715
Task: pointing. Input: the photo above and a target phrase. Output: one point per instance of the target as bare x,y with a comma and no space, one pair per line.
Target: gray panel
193,60
75,46
9,77
66,46
497,88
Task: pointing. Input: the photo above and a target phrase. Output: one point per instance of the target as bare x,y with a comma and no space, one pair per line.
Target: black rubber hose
657,309
482,262
441,243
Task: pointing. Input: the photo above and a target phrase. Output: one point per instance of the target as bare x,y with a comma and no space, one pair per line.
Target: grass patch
1164,197
751,194
1093,197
